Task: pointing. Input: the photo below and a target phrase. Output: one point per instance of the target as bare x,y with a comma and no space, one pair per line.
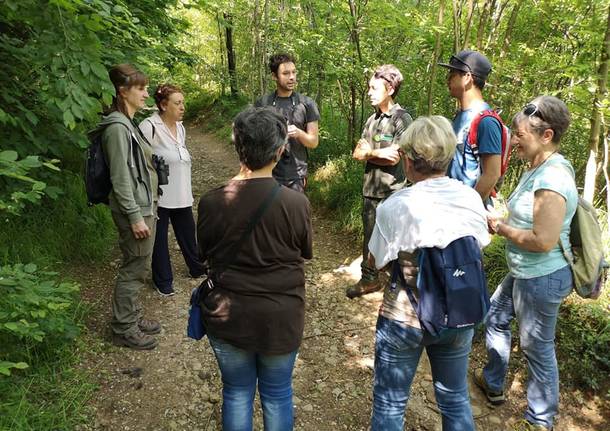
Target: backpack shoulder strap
474,128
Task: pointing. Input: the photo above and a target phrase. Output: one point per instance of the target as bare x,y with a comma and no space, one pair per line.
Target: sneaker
137,341
525,425
149,327
165,292
495,398
363,287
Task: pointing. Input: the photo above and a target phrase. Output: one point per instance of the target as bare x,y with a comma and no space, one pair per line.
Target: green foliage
583,343
51,395
35,310
337,186
219,115
494,261
60,230
17,186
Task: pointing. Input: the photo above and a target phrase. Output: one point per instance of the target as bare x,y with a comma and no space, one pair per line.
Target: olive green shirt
380,131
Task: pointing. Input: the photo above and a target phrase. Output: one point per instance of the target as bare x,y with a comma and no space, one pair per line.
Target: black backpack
97,172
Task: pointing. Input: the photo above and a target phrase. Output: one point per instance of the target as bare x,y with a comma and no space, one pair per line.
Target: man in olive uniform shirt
383,173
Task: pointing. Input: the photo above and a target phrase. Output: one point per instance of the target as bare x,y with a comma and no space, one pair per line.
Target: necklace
522,183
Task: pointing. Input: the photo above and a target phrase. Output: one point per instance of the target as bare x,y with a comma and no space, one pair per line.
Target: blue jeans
398,348
240,371
535,302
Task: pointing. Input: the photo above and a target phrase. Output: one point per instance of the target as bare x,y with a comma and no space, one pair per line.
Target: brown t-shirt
259,303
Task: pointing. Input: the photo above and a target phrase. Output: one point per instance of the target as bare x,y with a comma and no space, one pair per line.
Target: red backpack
506,146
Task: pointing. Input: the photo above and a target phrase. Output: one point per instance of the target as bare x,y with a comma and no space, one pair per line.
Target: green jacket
134,180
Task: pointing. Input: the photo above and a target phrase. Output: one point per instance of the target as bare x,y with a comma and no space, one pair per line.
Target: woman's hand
494,219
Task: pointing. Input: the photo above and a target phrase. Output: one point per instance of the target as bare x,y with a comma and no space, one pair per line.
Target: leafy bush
59,230
583,342
18,187
337,185
35,310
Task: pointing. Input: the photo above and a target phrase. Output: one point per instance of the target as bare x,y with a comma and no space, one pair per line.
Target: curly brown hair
163,92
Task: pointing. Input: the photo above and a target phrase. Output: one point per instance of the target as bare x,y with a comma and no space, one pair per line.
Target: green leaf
30,268
84,67
9,155
69,120
99,70
32,118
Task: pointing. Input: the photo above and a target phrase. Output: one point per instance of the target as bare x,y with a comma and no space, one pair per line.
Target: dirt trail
177,386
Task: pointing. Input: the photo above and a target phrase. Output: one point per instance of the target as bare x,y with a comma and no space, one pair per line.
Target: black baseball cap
469,61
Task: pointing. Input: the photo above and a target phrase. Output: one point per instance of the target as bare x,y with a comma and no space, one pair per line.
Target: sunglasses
531,110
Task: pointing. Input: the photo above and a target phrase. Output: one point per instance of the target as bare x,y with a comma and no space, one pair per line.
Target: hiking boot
363,287
150,327
137,341
495,398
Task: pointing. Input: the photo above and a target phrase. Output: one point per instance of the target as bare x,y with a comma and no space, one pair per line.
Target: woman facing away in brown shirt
254,316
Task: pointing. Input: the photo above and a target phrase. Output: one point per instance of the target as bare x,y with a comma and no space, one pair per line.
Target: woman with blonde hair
434,212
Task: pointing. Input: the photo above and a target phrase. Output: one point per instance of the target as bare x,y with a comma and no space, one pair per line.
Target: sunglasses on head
532,110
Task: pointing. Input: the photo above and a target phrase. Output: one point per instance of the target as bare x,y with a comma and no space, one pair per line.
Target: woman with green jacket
133,203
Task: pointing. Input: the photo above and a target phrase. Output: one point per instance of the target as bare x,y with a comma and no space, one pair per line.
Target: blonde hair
430,143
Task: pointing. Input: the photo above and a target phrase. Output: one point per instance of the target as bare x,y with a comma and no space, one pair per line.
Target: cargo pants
133,272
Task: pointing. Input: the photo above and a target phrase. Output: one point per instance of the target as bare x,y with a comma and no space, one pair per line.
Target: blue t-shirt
557,175
465,166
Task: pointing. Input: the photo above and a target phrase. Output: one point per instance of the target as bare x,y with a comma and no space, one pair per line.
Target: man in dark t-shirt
383,172
301,114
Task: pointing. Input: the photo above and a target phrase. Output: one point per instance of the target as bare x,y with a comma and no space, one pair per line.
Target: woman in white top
165,132
435,211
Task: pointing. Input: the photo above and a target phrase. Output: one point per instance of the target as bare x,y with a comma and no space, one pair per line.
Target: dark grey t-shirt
298,110
380,131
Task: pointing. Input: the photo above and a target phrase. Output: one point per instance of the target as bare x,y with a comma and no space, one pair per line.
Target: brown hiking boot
150,327
495,398
137,341
363,287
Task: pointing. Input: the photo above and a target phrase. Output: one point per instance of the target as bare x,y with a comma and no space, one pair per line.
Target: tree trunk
456,26
485,10
509,28
471,5
496,16
436,55
230,54
600,94
222,55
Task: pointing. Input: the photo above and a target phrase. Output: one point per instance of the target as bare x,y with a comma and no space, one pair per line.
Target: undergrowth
60,230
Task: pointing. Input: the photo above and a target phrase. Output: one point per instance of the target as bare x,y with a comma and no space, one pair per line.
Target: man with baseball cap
480,168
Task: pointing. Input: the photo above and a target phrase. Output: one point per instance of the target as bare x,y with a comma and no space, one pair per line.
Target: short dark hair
258,133
552,113
478,81
391,75
277,59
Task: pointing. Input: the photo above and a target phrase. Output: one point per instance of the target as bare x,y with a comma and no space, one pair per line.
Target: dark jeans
369,208
184,229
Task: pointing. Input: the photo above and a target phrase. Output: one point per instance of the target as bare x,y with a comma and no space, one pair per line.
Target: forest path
177,386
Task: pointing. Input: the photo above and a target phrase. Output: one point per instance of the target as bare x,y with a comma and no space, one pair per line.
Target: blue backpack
451,286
